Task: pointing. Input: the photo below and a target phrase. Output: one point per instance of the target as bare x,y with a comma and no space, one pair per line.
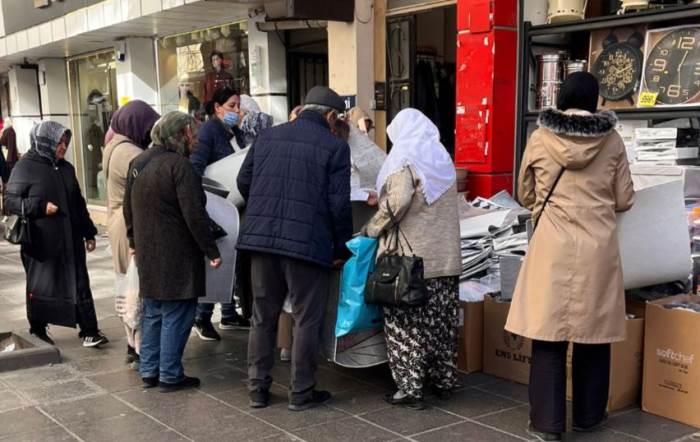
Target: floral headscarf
45,138
168,132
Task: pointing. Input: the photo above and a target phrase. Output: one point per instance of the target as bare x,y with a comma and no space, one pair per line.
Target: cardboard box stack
671,359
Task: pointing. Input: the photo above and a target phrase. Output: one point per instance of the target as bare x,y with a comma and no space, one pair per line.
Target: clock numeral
674,91
696,71
659,65
686,43
696,83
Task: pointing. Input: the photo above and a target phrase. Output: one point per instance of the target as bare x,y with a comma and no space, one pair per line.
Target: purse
397,279
17,229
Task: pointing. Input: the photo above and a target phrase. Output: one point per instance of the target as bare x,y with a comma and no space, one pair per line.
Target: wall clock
672,65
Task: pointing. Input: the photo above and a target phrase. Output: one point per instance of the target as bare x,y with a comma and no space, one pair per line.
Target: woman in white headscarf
418,183
254,120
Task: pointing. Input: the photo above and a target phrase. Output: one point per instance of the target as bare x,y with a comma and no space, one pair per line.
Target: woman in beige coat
132,126
418,183
570,287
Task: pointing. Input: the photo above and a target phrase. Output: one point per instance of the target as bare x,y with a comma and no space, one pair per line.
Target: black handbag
397,279
17,229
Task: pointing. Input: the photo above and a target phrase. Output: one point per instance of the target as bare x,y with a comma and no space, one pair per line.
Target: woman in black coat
44,189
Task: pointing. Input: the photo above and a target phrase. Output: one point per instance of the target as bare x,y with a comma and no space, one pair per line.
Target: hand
132,252
51,208
215,263
373,199
338,264
90,245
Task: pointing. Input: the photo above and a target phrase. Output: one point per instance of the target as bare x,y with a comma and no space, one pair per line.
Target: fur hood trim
577,125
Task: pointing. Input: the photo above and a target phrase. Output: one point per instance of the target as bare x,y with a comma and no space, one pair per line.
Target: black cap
325,96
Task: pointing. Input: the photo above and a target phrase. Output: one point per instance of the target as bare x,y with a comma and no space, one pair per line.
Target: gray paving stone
281,417
87,410
50,434
221,379
406,422
239,397
39,376
60,391
649,427
345,430
360,401
513,421
472,403
511,390
129,426
466,432
10,400
23,420
147,399
123,380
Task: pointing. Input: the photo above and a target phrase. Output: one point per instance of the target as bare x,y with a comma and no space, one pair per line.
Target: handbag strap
546,200
397,229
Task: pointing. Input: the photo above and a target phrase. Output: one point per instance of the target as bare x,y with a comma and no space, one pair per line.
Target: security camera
120,50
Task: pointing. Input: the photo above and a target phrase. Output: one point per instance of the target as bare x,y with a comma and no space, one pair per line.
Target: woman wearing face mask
220,136
44,187
216,140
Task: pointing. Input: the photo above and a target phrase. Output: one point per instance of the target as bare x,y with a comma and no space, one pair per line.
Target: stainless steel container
572,66
550,74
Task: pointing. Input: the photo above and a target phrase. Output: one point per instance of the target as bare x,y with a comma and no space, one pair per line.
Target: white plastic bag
287,307
129,292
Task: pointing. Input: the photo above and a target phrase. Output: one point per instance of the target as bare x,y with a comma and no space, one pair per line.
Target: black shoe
150,382
317,398
188,382
406,401
205,330
131,355
441,393
259,398
603,422
236,323
94,339
42,334
542,435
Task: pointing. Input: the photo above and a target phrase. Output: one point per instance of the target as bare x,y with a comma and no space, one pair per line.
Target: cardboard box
505,355
471,336
625,368
671,363
510,269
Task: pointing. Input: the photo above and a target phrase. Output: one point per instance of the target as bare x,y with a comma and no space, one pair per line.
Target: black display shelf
675,13
652,113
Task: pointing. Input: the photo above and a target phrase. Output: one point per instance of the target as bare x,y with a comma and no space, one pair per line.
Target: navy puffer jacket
296,180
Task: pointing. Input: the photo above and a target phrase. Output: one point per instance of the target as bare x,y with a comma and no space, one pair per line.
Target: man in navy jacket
296,180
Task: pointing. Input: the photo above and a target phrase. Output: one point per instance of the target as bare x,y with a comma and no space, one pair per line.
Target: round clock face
673,67
618,69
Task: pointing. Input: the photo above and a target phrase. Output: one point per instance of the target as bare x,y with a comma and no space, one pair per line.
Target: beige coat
570,287
115,162
432,231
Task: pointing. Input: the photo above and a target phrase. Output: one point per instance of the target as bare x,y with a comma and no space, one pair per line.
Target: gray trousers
273,277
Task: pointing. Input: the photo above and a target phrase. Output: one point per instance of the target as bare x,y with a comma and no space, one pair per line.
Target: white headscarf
248,104
416,142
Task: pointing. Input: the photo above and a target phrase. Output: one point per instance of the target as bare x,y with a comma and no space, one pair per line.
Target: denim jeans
165,328
205,311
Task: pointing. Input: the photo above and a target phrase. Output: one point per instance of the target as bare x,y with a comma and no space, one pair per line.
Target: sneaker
131,355
150,382
404,401
542,435
188,382
603,422
236,323
205,330
286,355
259,398
42,334
317,398
94,339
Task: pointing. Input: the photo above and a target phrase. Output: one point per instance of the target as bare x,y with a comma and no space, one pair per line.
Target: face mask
231,119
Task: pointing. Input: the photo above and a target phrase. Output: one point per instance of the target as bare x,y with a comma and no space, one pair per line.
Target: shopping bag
132,307
353,314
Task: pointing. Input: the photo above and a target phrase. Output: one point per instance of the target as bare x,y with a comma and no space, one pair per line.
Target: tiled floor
94,396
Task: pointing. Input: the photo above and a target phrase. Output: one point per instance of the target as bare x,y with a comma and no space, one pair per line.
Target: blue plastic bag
353,314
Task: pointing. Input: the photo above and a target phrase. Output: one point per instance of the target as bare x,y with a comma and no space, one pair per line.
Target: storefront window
93,83
195,65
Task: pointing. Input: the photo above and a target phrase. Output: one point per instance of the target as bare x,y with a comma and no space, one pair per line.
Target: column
268,70
25,103
351,56
137,74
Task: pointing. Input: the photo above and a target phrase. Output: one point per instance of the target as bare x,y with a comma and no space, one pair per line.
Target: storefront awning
99,26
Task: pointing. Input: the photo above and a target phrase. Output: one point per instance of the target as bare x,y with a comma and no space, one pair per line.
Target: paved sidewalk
94,396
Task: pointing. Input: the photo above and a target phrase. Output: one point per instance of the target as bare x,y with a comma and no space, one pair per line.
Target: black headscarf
579,91
135,121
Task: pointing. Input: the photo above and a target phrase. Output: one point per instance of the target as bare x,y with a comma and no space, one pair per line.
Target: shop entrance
421,54
93,88
307,62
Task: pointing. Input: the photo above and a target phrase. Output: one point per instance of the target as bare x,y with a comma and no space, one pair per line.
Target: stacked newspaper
658,146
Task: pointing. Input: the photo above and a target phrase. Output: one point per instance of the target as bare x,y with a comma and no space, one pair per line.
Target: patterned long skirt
422,341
